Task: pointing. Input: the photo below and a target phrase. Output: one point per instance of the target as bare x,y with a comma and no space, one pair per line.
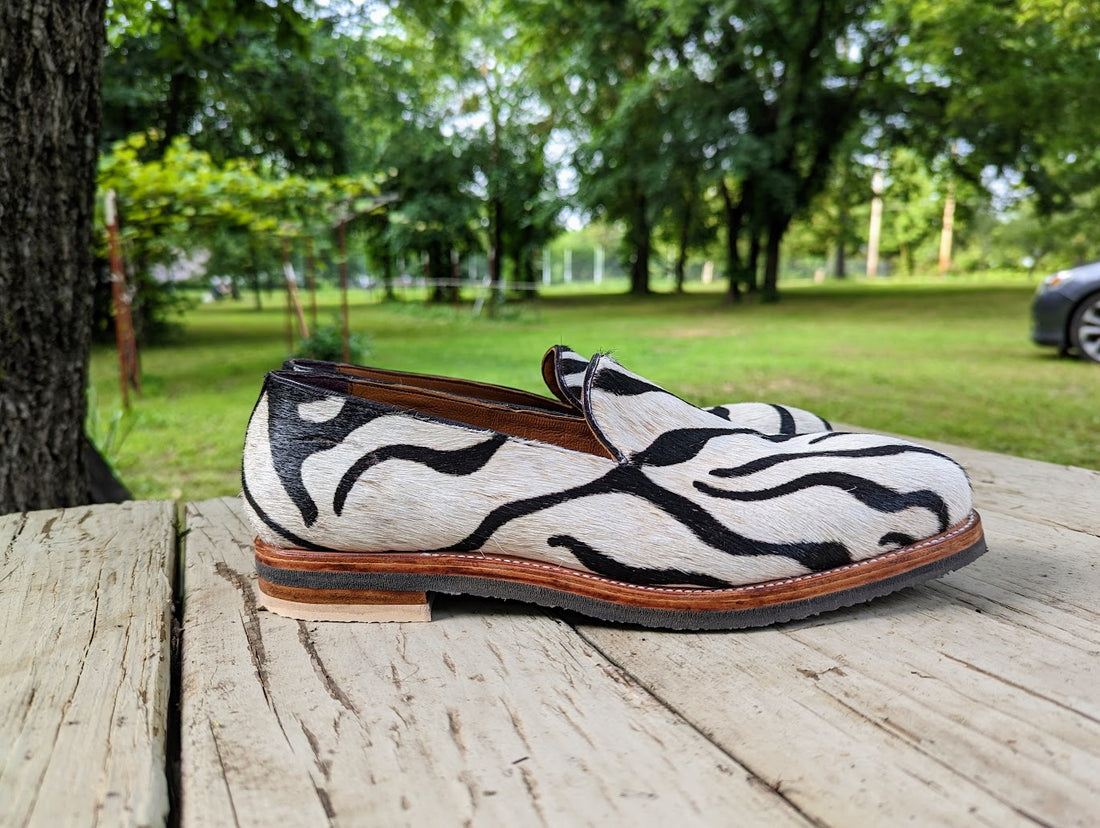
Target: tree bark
684,241
770,289
387,276
734,214
51,56
753,266
496,252
843,222
640,238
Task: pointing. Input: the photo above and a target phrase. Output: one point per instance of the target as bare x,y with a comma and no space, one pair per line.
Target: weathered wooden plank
973,700
491,714
1043,578
85,613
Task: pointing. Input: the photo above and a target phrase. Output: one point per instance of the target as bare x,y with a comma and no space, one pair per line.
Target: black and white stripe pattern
691,498
564,371
569,370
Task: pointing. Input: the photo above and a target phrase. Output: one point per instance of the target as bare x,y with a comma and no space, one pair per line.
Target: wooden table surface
141,683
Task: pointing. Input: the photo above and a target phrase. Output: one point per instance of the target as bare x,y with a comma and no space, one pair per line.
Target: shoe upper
639,485
563,371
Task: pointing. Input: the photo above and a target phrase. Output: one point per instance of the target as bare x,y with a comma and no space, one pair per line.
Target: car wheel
1084,328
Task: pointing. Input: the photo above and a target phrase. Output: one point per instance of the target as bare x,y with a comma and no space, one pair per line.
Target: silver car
1066,311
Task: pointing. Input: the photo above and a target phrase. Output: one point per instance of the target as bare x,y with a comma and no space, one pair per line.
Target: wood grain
492,714
85,611
969,701
972,700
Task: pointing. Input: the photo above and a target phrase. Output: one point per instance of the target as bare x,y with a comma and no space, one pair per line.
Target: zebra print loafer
563,372
367,496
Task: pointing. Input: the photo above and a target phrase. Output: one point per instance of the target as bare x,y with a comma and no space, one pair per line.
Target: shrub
325,343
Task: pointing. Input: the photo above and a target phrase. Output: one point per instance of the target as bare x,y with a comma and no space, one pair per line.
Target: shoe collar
629,414
563,371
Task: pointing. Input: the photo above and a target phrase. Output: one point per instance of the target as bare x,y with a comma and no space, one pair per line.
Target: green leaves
169,203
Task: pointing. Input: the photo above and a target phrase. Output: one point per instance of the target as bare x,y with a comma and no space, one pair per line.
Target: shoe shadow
922,600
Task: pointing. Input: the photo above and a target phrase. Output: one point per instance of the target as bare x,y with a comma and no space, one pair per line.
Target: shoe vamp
619,534
868,492
405,503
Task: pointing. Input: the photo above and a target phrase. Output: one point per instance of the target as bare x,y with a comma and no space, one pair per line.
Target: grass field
941,360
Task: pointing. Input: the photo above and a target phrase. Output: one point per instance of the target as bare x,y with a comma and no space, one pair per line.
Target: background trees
698,128
725,129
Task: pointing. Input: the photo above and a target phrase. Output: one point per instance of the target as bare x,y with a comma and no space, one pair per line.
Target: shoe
367,496
563,372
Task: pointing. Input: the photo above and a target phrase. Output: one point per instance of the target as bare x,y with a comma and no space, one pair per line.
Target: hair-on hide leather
693,499
767,418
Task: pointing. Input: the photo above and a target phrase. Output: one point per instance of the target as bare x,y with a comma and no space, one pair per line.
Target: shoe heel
344,604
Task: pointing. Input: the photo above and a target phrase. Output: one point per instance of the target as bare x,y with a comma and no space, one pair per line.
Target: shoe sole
395,586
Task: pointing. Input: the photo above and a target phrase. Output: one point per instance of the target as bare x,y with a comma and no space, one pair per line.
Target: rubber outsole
302,583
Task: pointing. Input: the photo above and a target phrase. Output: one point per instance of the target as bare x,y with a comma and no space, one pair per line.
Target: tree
785,83
1009,90
236,76
508,125
184,202
51,54
593,60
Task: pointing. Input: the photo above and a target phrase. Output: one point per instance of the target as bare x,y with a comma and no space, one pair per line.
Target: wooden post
948,230
345,333
877,183
311,281
294,300
455,278
126,342
288,312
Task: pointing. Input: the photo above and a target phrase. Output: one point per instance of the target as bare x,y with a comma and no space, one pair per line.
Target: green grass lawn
941,360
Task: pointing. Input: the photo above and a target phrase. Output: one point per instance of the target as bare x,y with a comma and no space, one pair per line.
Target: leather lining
570,431
455,386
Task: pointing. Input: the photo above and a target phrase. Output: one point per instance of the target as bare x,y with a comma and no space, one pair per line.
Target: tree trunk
770,289
639,268
496,254
387,276
639,260
681,263
682,251
51,59
254,276
753,266
438,269
734,214
843,222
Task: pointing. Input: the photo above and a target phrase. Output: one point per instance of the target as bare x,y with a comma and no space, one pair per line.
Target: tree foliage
183,200
689,125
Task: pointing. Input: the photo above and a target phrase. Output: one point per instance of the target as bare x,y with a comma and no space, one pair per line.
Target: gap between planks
923,704
493,712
